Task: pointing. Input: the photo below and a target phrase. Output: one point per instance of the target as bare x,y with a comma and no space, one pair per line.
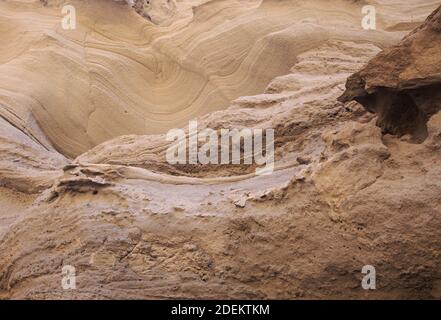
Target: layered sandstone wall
84,179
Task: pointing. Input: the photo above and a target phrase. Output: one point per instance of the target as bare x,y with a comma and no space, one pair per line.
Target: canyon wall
84,181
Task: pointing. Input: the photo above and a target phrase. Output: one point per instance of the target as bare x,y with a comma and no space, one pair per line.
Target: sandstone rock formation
403,83
84,181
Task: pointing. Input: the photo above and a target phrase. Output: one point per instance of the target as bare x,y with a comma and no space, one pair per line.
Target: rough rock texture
403,83
343,194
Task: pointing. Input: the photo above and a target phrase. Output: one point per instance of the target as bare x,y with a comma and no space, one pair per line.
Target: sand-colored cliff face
83,182
118,73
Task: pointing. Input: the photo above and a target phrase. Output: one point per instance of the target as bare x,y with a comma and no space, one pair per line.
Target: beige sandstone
83,117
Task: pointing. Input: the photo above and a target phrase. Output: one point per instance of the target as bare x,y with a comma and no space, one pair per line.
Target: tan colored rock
402,84
85,184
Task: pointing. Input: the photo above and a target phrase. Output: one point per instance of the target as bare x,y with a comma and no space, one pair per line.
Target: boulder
402,83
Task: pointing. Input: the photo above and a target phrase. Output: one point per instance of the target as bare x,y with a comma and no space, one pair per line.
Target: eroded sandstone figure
403,84
157,11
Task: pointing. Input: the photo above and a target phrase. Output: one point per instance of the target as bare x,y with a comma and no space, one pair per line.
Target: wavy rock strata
77,191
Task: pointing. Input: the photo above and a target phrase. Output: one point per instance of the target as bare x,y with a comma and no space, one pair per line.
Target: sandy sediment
83,121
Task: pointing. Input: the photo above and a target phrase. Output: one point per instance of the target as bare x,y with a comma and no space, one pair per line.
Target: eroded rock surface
75,191
403,83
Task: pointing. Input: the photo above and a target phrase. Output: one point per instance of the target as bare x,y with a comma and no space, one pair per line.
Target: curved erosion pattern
77,190
118,74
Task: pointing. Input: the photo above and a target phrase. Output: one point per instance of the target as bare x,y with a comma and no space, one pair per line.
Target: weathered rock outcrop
402,84
342,194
